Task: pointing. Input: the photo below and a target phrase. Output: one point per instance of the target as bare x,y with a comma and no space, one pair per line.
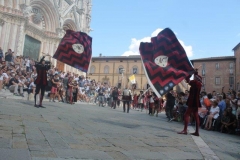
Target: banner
165,62
132,79
75,49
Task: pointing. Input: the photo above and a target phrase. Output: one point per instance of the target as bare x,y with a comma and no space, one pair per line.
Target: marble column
21,40
12,41
27,2
2,2
17,39
6,36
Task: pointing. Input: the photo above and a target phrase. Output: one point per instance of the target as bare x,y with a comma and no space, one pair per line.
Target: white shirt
27,63
32,85
216,109
4,75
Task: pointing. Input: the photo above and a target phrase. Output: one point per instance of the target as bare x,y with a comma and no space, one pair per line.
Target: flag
165,62
75,49
132,79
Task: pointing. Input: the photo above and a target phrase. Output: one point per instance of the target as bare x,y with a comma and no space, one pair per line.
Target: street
82,131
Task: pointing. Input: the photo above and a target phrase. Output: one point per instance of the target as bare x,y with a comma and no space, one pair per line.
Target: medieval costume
41,80
126,98
193,103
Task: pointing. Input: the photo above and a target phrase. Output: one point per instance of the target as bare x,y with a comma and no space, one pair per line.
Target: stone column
13,37
6,36
27,2
17,39
2,2
21,40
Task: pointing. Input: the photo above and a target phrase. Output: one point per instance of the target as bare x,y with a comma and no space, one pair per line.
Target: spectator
8,57
213,114
221,104
15,85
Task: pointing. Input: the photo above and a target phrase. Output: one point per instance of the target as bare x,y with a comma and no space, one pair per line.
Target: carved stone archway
49,13
69,24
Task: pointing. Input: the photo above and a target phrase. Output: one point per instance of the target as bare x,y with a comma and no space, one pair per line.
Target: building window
203,66
106,69
217,66
135,70
231,65
120,69
92,69
203,69
217,80
204,80
231,80
203,72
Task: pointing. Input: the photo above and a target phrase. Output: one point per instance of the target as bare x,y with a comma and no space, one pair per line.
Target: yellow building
115,70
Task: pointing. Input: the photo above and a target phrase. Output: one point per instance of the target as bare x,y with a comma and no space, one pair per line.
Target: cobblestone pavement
83,131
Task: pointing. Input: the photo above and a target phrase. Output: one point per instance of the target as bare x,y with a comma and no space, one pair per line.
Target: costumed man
140,100
126,98
193,103
41,80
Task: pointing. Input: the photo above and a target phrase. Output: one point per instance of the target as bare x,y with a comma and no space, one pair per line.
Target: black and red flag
75,49
165,62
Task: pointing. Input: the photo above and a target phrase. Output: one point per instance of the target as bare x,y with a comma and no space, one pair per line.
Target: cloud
133,49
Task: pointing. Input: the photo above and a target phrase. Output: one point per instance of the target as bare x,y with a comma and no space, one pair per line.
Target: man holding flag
166,64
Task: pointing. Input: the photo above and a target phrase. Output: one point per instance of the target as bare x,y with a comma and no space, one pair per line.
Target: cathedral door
60,66
31,47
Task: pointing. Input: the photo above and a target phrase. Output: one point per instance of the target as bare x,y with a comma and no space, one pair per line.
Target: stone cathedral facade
35,27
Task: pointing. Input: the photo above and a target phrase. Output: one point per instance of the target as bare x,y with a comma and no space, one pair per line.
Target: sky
206,28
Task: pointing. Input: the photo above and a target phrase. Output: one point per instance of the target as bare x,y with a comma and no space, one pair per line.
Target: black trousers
124,106
169,110
38,88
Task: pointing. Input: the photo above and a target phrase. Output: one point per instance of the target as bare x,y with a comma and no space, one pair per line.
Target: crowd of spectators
219,111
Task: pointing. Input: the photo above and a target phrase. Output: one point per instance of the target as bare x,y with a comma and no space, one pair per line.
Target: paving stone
5,143
43,154
42,148
144,155
14,154
18,130
20,145
80,146
82,154
57,143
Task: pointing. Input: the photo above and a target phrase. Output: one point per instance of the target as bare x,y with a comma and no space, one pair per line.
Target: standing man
115,97
170,105
126,98
41,81
193,103
140,100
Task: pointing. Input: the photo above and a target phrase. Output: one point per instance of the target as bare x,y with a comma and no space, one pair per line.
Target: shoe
15,94
22,95
36,106
194,134
182,132
42,106
171,119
